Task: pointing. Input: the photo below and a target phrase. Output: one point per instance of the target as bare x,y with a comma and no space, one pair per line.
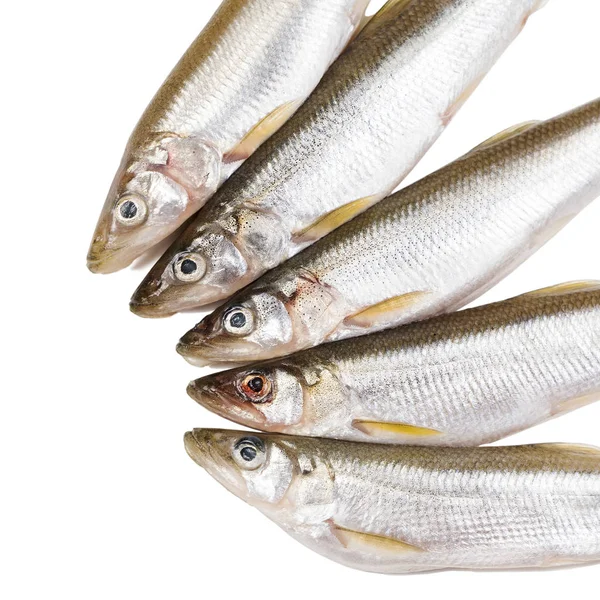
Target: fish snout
196,336
194,345
218,395
146,301
98,254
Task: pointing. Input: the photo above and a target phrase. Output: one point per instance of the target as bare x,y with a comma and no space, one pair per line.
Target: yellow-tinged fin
563,289
334,219
460,101
507,134
574,403
560,561
261,132
386,312
389,430
577,449
368,542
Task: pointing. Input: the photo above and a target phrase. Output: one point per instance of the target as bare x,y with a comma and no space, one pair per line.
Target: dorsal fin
563,289
507,134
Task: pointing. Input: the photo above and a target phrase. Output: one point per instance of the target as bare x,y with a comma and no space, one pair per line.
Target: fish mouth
197,347
209,354
193,448
223,405
203,346
197,449
193,354
103,260
207,447
149,310
99,263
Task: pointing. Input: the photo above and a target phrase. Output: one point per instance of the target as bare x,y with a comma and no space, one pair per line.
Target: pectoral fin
391,430
574,403
563,289
507,134
459,102
578,449
367,542
386,312
334,219
261,132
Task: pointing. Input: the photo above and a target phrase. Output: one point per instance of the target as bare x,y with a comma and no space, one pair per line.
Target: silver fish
374,115
431,248
463,379
400,509
243,77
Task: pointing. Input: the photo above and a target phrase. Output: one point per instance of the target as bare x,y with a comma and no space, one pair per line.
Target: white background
98,498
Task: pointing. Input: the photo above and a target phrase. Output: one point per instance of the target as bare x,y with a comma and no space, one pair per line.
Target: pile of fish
279,138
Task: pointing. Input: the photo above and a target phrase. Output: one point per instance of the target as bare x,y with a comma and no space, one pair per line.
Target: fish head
269,397
154,191
255,468
285,477
248,325
191,273
210,262
298,394
271,319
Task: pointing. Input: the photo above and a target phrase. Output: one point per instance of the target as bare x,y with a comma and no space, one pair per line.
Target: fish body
247,72
429,249
401,509
463,379
376,112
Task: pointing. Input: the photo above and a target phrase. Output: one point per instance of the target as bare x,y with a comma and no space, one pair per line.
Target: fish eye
131,210
238,321
256,388
189,267
249,453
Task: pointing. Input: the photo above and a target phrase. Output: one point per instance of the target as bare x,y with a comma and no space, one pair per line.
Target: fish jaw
200,351
211,450
221,398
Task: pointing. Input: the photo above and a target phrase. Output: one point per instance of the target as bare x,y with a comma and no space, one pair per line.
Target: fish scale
428,249
465,378
398,509
374,115
246,73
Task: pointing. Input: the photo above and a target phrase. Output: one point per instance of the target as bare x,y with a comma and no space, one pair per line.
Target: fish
406,509
429,249
247,73
463,379
378,109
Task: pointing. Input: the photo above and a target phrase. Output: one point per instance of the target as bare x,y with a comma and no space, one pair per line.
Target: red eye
255,387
